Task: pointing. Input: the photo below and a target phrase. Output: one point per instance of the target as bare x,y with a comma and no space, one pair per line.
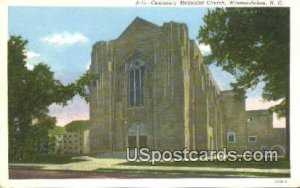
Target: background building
56,140
261,135
73,138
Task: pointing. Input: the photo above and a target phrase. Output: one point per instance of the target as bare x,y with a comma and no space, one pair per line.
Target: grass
50,159
193,173
190,172
280,164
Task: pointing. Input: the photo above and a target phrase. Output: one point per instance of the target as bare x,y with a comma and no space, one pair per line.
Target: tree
40,133
30,92
253,45
83,85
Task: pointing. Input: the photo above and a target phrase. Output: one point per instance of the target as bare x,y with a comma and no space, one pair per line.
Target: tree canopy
30,92
79,125
253,45
83,85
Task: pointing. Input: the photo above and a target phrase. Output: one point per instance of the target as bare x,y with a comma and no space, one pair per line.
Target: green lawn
281,164
50,159
193,174
166,169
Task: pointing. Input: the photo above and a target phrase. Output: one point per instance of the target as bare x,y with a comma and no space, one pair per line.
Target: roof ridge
134,21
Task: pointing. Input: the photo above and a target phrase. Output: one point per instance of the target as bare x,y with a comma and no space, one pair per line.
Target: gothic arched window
136,83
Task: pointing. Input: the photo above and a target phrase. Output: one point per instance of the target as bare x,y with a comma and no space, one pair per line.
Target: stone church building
152,89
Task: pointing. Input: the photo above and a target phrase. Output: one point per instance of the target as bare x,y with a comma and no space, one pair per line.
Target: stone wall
182,105
260,125
234,121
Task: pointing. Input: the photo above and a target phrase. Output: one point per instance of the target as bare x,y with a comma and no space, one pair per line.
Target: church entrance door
141,142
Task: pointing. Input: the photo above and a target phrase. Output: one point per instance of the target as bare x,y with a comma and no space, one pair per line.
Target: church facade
151,89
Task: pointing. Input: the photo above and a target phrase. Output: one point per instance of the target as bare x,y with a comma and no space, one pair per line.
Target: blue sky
63,39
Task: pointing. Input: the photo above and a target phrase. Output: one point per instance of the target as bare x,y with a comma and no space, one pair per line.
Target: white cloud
205,49
32,59
29,65
88,64
65,38
32,54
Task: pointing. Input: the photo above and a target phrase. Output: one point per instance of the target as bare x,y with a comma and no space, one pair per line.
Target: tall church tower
152,90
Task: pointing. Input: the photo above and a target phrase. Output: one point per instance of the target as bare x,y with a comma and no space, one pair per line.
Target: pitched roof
137,23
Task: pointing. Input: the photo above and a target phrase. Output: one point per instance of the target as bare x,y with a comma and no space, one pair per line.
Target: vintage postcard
150,93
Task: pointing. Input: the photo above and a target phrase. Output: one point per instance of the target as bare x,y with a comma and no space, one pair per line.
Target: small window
252,139
94,82
250,119
231,137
